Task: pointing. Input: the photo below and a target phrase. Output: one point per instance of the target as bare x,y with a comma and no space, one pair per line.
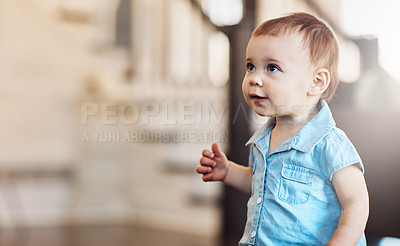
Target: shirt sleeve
339,152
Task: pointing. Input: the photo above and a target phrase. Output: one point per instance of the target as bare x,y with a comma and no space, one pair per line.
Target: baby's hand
213,165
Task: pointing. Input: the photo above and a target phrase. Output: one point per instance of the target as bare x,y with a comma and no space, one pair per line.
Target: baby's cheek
244,89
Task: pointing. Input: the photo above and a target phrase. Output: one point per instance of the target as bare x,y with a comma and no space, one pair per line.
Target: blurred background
107,105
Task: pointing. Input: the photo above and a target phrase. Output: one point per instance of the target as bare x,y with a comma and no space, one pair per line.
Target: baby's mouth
258,99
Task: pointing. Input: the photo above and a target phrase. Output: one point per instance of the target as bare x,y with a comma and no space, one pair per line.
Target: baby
304,175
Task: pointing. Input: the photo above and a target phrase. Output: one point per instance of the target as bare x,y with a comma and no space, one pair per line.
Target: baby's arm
352,193
214,166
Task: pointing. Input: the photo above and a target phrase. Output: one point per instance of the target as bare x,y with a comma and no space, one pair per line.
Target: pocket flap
297,173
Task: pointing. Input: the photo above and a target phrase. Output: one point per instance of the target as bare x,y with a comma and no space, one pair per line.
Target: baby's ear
320,83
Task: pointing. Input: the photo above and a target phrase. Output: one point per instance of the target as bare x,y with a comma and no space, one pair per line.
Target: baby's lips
257,95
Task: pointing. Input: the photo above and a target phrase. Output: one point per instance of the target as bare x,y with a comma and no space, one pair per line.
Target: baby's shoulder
335,138
336,151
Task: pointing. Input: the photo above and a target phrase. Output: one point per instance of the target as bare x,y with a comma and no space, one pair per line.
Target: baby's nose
256,81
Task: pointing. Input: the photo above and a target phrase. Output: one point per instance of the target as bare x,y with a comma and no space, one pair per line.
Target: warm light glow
381,19
223,12
349,62
218,59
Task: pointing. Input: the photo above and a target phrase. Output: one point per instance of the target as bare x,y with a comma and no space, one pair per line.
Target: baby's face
279,75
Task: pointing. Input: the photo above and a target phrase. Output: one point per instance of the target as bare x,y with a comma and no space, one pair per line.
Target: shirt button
259,200
253,234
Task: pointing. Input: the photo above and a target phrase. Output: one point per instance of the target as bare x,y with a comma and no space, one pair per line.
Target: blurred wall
102,130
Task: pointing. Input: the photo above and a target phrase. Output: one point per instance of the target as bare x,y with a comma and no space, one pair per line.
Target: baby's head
317,37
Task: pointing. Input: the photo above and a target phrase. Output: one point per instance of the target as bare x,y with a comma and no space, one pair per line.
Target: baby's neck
291,123
287,127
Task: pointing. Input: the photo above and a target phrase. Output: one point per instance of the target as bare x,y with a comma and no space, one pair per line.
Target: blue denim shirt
293,201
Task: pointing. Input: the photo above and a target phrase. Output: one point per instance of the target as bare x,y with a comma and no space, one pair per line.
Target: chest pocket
295,185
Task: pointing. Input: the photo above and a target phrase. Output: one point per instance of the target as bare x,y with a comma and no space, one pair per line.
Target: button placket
259,190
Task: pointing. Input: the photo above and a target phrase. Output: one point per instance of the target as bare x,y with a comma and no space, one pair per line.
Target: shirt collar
309,136
262,132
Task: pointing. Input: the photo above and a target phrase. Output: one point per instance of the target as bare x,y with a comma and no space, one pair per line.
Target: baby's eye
250,67
272,68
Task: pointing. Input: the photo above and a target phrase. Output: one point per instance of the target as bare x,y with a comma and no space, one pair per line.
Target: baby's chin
264,114
273,114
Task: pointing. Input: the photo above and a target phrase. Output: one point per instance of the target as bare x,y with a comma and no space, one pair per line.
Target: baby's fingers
203,169
205,161
207,153
208,177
